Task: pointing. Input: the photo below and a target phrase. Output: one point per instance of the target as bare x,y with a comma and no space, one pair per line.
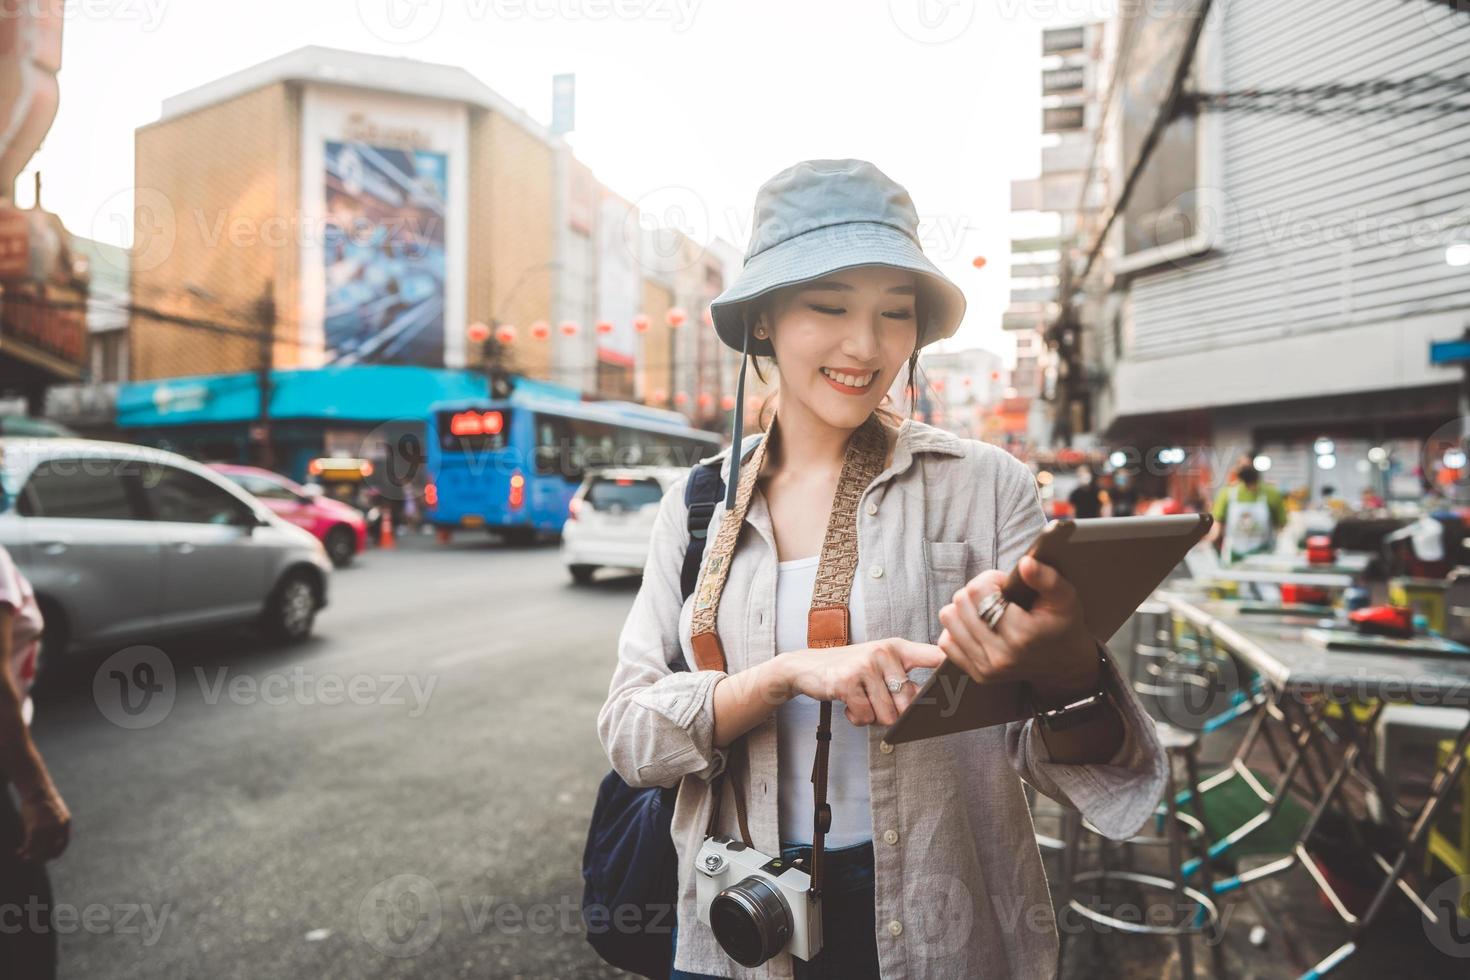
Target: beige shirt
960,888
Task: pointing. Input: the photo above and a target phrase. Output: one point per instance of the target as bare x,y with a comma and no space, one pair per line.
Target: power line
1424,93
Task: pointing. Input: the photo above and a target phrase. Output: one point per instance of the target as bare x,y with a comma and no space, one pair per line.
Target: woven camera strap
827,620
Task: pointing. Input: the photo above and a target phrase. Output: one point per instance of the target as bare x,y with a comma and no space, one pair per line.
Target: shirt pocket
948,570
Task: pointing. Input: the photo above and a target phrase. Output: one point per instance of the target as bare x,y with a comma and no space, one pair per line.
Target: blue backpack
630,868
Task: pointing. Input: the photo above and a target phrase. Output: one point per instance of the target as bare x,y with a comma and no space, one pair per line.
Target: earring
760,333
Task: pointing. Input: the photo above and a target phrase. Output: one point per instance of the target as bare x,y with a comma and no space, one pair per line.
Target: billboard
384,254
1173,208
385,228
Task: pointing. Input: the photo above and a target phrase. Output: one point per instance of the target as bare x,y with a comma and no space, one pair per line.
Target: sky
677,100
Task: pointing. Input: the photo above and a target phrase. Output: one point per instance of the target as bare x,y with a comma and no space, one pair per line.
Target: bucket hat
814,218
820,216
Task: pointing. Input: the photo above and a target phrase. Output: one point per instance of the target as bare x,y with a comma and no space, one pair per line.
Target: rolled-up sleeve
657,724
1116,796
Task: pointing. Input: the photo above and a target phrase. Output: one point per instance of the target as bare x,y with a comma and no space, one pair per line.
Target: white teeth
851,380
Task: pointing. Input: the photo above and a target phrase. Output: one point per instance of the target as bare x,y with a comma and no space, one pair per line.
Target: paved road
403,796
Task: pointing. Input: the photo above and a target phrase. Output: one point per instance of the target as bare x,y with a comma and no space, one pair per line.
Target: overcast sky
708,97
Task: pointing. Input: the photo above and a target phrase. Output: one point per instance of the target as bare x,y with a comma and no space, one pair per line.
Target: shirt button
890,836
895,928
872,509
885,748
876,571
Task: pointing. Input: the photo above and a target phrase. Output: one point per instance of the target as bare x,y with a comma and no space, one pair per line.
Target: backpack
630,868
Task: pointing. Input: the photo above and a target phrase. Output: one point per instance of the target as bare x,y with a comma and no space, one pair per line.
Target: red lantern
640,323
477,332
676,316
994,375
681,398
604,327
966,382
979,262
727,402
568,328
938,384
540,330
660,397
705,399
506,334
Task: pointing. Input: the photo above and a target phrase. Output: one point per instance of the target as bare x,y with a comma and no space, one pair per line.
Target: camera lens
751,921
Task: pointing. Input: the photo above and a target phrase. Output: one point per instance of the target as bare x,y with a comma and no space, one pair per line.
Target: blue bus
512,465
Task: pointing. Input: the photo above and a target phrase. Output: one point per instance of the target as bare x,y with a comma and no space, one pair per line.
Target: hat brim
832,249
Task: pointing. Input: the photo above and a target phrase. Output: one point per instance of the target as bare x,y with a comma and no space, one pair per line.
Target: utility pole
265,318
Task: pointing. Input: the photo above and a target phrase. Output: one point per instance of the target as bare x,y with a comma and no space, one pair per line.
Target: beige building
367,209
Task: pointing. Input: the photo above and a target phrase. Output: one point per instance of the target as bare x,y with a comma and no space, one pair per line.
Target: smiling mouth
850,382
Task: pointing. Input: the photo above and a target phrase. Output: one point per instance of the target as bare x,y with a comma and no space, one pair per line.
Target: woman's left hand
1047,646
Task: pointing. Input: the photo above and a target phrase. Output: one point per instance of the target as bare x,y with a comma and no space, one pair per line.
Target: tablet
1114,563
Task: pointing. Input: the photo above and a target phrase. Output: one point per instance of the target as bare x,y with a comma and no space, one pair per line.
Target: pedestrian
1086,498
1248,513
37,829
901,530
1124,495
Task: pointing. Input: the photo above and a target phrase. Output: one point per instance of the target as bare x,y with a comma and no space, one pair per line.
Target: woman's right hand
858,674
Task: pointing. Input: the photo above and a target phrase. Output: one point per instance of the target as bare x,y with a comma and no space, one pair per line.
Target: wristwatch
1082,710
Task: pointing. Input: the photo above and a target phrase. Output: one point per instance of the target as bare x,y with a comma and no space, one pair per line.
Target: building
1051,207
960,390
1273,280
333,208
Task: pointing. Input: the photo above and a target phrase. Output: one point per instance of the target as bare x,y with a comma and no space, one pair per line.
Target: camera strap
827,620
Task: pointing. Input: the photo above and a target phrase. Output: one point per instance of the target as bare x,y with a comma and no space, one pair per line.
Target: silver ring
989,604
895,684
992,608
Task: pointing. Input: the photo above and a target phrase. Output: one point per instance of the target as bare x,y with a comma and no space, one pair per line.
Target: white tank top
796,726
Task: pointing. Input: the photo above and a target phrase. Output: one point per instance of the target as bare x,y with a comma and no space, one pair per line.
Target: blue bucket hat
818,217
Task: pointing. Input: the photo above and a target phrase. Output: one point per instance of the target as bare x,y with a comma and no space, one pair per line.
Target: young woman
931,865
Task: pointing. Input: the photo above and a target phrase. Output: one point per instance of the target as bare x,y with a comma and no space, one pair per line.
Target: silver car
123,543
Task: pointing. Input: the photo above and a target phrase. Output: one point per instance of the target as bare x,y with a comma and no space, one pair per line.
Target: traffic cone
385,531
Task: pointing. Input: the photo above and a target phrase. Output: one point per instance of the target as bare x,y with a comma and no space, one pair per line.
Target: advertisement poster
384,254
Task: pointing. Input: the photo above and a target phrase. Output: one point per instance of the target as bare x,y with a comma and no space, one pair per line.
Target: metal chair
1177,831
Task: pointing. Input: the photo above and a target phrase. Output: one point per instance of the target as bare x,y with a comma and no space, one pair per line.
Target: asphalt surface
404,795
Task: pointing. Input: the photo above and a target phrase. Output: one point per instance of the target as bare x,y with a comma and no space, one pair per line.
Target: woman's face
841,340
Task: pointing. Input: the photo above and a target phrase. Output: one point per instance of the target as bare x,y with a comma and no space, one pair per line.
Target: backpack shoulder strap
704,489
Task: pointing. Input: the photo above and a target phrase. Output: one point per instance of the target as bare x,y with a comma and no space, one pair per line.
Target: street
404,795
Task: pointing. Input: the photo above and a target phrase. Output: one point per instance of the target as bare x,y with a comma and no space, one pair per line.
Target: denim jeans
28,945
849,944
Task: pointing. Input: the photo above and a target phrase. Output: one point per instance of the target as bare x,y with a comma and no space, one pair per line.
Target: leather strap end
826,627
709,653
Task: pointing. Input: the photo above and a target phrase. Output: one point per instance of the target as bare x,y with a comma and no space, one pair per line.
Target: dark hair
751,314
1249,475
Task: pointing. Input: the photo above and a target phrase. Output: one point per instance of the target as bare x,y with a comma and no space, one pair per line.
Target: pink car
340,527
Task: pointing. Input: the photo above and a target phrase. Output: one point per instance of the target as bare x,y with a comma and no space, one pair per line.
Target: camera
756,905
